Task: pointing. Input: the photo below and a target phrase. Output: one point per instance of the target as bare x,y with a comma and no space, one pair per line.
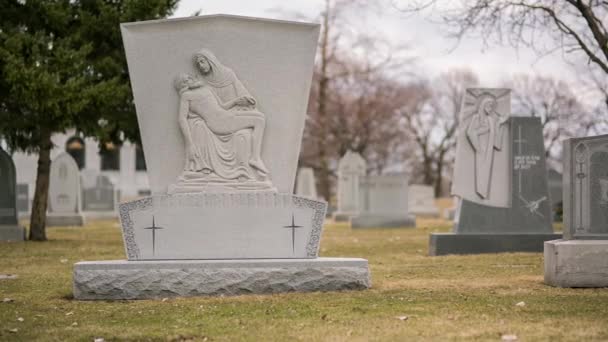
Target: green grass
445,298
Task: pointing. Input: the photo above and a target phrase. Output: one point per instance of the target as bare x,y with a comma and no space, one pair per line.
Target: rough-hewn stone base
64,220
121,279
576,263
450,243
12,233
377,221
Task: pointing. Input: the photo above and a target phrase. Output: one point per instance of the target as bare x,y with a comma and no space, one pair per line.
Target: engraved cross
293,232
153,228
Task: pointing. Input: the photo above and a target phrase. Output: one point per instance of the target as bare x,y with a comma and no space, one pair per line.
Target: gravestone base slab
12,233
100,215
64,220
121,279
450,243
377,221
428,212
576,263
342,217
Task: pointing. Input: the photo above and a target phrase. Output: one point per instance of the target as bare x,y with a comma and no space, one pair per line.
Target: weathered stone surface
576,263
450,243
120,279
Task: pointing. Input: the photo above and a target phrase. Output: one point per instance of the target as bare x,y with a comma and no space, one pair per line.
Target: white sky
429,45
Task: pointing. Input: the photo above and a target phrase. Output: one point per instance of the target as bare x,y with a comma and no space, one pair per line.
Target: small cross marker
293,232
154,228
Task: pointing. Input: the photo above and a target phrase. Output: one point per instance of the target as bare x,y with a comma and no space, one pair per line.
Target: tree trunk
41,194
439,176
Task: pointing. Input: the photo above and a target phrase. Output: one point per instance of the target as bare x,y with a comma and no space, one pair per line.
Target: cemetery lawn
414,297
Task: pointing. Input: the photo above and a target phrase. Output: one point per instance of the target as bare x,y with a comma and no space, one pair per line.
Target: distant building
123,164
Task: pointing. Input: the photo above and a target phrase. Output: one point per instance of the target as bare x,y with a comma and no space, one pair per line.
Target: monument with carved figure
500,178
580,259
221,103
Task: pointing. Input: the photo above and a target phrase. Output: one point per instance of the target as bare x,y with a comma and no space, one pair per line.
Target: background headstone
9,228
64,193
351,169
23,198
98,193
383,202
305,183
580,259
422,200
483,223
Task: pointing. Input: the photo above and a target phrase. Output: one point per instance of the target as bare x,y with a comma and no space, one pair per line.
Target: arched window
140,161
76,148
110,156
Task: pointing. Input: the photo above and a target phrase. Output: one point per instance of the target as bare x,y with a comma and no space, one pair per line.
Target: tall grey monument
501,179
9,224
221,103
580,259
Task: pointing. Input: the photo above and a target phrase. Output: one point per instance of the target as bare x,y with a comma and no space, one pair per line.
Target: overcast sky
430,47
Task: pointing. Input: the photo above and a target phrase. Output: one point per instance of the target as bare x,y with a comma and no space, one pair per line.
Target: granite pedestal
121,279
576,263
451,243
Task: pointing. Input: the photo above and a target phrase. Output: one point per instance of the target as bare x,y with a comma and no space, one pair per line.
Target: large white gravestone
351,169
64,207
580,259
383,202
422,200
306,185
9,225
221,103
500,177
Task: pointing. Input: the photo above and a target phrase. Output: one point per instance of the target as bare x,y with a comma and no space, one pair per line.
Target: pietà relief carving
223,131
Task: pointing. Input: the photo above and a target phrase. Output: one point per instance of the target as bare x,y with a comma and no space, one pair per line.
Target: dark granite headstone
527,223
580,259
587,183
99,197
9,228
8,202
23,198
